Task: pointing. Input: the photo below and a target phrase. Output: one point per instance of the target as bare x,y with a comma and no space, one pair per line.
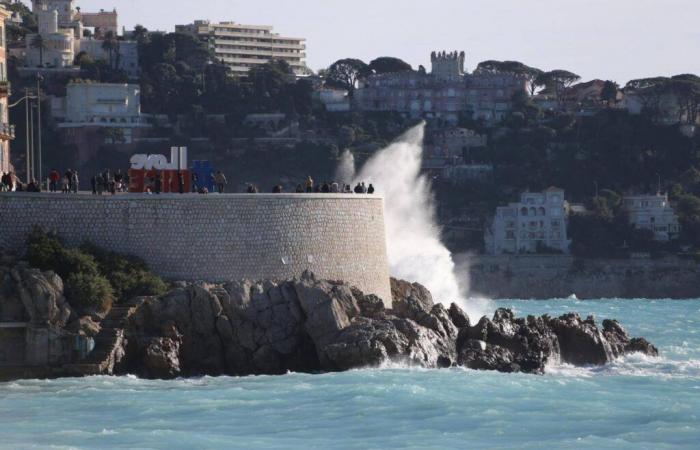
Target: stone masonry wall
532,276
218,238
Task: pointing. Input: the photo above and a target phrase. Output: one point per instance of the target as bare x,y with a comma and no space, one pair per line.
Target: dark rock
459,318
480,355
161,358
370,305
580,341
402,290
641,345
84,326
317,325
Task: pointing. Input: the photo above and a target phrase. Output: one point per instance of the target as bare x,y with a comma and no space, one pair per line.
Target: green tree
113,135
346,73
688,209
531,74
140,34
557,81
687,91
609,93
110,44
89,293
650,92
389,64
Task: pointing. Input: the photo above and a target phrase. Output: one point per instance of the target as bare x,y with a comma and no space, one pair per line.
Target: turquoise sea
636,403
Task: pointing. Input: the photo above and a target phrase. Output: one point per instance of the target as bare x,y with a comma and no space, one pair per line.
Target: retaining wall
532,276
218,238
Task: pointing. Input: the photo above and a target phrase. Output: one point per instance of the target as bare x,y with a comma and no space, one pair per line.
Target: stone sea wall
561,276
219,238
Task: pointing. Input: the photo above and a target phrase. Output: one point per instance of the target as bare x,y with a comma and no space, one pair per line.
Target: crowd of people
9,182
69,182
327,187
106,182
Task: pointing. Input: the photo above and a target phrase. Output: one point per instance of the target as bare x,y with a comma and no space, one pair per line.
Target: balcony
7,131
4,88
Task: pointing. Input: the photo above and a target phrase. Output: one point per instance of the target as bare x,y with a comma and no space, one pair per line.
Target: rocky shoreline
309,325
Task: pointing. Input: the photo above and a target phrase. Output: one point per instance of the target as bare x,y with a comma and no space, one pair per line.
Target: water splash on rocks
413,237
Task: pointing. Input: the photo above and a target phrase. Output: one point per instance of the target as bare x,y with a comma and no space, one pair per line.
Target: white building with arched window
537,224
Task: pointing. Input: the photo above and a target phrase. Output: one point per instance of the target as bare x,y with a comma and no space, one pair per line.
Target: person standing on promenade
118,181
54,177
181,183
220,180
74,181
370,189
159,182
69,175
100,183
195,182
309,183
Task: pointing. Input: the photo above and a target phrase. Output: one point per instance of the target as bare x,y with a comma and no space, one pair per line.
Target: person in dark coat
158,182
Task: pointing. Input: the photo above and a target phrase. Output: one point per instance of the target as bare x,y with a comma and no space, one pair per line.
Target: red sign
141,180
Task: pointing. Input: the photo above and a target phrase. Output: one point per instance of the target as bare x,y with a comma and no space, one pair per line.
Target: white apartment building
242,47
654,213
538,220
99,104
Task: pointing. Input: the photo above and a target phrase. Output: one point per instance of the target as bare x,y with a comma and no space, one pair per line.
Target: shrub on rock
89,293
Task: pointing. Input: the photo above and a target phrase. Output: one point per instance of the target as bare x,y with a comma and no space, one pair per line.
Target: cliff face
561,276
314,325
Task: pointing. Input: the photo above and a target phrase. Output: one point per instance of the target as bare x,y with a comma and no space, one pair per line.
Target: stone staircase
108,344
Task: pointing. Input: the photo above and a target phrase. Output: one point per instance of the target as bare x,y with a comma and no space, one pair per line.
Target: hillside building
100,120
653,213
453,143
242,47
535,224
446,93
61,28
99,104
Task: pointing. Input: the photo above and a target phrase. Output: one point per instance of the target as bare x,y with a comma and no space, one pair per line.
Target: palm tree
39,43
110,45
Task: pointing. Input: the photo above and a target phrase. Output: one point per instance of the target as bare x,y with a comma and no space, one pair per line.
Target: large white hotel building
244,46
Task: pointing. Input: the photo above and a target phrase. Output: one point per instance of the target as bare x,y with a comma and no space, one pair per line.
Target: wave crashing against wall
414,248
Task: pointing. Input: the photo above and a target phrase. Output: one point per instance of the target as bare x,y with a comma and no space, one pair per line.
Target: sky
608,39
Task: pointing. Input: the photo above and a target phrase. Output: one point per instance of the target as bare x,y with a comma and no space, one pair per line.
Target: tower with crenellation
447,66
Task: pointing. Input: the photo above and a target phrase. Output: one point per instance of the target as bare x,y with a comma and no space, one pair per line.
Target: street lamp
39,79
26,99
